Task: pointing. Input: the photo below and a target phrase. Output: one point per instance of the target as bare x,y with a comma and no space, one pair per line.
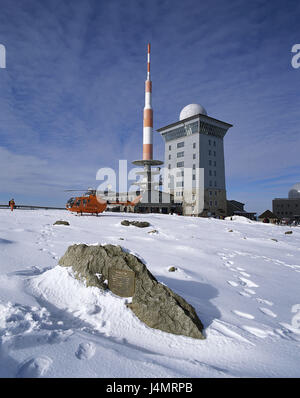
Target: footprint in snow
258,332
262,301
244,294
268,312
232,283
243,314
34,367
250,291
245,274
85,351
247,282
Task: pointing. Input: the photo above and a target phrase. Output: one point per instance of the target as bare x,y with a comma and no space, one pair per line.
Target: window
215,163
193,196
215,183
210,183
180,144
180,173
179,184
216,193
194,166
214,153
209,142
216,203
179,193
194,145
170,147
215,173
180,154
214,143
169,166
209,152
169,157
194,176
210,172
209,162
194,156
180,164
210,202
210,193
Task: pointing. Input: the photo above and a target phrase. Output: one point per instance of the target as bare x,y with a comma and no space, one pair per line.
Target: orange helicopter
91,203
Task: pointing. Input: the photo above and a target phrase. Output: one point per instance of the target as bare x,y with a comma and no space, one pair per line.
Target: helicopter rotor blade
75,190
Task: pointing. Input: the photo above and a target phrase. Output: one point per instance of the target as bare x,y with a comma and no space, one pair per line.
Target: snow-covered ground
244,285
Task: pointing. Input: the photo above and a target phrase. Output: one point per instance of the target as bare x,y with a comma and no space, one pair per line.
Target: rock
61,222
230,230
153,303
121,238
172,269
288,232
275,240
154,231
139,224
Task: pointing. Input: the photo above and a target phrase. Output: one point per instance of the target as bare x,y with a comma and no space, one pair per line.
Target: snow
243,285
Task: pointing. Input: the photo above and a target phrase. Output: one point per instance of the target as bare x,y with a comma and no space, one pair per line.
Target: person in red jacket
11,203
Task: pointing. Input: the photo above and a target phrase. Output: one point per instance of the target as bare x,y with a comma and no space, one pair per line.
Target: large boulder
153,303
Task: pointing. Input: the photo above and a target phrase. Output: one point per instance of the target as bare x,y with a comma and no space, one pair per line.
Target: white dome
191,110
294,192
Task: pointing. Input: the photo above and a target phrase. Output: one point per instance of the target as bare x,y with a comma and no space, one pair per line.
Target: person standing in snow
11,203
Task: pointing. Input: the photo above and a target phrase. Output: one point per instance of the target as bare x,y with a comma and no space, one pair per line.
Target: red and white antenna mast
148,115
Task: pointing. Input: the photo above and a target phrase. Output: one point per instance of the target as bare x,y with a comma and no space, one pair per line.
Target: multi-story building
194,162
288,207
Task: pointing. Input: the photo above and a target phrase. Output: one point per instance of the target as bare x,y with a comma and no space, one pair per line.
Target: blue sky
72,94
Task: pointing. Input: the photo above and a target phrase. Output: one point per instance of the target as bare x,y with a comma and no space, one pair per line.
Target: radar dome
192,110
294,192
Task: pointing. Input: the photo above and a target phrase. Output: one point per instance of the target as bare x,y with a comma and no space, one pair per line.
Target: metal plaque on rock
121,282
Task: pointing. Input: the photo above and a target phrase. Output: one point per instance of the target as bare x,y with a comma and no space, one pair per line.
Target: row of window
210,173
181,145
181,155
278,206
286,213
210,152
211,203
209,143
180,183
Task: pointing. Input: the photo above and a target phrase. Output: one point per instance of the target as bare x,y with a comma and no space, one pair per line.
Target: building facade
288,207
194,162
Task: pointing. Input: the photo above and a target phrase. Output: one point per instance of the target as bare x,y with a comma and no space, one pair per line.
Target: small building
288,208
268,215
235,208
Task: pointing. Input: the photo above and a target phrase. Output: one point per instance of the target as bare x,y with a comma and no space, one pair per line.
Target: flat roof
191,118
286,199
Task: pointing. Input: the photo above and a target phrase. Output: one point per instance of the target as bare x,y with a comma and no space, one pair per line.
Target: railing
28,207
